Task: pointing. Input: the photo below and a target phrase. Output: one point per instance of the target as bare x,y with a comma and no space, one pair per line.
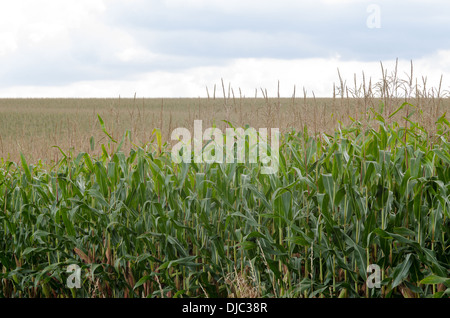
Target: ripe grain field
363,179
35,126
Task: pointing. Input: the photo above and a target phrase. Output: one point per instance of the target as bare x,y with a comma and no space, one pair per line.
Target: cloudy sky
177,48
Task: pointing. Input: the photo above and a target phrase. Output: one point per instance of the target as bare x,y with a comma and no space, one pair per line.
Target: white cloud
95,48
136,54
40,19
315,75
8,43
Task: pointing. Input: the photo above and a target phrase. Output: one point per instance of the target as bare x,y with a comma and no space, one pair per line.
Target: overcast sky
177,48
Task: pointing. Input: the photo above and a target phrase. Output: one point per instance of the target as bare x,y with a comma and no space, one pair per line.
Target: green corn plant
138,224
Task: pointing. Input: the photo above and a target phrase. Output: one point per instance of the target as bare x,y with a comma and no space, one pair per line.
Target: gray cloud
410,29
186,36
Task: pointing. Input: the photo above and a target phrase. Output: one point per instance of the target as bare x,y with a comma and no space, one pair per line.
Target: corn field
140,225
